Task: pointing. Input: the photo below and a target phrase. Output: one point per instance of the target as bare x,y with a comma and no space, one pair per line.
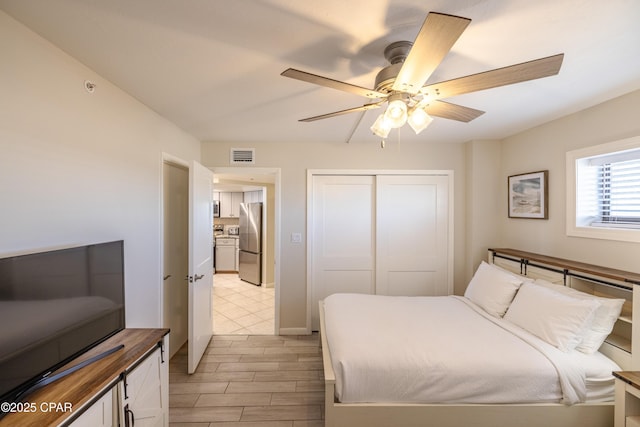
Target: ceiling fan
402,83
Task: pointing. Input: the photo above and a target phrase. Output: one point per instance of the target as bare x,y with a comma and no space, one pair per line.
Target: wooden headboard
623,344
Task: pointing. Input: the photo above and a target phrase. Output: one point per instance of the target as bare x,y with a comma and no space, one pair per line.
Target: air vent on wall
242,156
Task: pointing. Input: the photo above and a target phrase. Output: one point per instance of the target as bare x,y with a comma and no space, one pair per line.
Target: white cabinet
253,196
226,254
144,391
140,396
225,205
230,204
102,413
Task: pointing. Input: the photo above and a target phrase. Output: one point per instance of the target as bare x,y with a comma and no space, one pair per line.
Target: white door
412,240
342,240
200,262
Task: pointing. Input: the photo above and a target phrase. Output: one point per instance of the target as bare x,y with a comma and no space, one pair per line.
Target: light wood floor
250,381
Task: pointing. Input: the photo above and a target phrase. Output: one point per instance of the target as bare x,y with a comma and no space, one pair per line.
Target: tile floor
250,381
242,308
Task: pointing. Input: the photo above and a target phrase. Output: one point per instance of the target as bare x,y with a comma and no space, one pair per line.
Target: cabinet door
225,258
236,199
144,393
225,205
248,197
99,414
253,196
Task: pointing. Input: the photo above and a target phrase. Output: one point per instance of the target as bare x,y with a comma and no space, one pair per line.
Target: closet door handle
198,277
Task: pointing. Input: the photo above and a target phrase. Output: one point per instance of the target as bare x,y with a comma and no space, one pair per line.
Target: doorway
240,306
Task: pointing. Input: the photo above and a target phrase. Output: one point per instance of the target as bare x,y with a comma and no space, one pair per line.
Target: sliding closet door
412,252
342,237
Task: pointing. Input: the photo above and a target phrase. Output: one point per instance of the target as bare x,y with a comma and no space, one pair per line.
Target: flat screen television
55,305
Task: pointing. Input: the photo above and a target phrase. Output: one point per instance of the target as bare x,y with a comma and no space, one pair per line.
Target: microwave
216,208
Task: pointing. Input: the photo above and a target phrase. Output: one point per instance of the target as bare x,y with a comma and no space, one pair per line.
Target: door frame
166,158
276,237
175,164
310,238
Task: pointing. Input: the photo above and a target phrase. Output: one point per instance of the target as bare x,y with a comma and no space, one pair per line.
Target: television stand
104,393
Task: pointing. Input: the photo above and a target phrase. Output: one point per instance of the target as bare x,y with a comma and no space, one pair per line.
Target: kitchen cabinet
226,254
230,204
253,196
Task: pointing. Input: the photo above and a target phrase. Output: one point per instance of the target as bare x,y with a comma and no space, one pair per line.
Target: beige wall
484,211
544,147
77,168
295,158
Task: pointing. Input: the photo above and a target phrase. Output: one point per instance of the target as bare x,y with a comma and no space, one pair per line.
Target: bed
487,362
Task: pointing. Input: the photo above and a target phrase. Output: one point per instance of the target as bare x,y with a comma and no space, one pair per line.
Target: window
603,191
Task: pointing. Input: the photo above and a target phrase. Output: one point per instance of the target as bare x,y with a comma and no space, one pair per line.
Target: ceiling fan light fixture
396,113
381,126
419,120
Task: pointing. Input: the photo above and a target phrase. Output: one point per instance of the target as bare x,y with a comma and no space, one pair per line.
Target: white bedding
448,350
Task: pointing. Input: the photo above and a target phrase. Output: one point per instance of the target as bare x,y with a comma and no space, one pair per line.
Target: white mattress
447,350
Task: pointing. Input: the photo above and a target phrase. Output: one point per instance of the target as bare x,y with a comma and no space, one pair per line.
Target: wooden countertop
81,386
610,273
629,377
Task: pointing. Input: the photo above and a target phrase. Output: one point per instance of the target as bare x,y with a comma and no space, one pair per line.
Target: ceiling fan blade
436,37
339,113
334,84
446,110
530,70
355,125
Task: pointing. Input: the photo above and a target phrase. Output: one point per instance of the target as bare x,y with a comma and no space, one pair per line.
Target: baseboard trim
294,331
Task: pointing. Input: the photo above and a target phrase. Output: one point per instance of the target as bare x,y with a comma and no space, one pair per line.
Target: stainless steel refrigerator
250,243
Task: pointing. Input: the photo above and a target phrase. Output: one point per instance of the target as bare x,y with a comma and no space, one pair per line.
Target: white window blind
619,192
610,189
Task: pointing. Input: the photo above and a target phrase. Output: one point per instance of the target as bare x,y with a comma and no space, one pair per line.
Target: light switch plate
296,237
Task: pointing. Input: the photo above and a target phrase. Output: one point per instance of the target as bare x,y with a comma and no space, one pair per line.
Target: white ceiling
213,66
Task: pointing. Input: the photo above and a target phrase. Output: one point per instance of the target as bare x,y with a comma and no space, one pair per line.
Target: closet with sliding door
386,233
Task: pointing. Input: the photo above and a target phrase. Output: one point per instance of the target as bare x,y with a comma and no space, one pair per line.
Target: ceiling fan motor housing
395,53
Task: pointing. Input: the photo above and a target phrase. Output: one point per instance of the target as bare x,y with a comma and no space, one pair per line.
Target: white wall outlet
296,237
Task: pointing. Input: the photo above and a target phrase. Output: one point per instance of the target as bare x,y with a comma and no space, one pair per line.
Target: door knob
198,277
166,277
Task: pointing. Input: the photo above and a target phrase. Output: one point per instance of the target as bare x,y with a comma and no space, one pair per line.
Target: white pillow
492,289
558,319
603,320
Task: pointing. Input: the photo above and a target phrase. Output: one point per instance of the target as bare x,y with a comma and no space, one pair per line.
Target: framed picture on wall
528,195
